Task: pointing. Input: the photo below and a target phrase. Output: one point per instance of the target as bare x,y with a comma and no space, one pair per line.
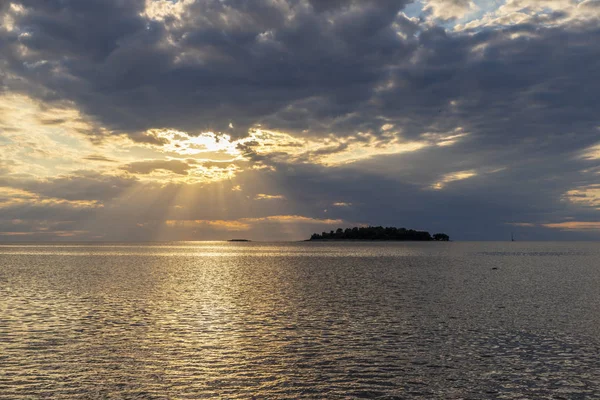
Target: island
379,233
239,240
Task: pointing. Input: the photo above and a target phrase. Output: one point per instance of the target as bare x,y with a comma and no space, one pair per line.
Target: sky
144,120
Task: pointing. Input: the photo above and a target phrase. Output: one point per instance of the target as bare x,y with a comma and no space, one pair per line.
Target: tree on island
379,233
441,237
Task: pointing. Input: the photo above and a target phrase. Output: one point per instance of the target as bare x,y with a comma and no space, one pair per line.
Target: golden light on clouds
218,224
8,22
586,196
212,148
48,233
45,141
359,151
158,10
341,204
41,140
207,142
47,149
591,153
294,218
452,177
445,139
574,225
13,197
244,224
210,113
571,225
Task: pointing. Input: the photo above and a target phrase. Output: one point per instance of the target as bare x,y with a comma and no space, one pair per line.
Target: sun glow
165,173
184,144
281,147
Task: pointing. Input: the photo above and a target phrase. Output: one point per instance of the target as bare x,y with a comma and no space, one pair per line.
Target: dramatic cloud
449,9
187,119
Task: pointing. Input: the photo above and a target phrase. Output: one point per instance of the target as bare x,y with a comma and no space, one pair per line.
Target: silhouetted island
239,240
379,233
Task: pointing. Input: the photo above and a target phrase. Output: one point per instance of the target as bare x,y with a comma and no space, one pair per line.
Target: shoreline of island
378,233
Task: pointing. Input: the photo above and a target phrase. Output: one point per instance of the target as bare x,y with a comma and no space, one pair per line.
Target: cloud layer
477,120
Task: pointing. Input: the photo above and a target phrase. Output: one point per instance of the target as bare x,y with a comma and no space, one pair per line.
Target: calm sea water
300,320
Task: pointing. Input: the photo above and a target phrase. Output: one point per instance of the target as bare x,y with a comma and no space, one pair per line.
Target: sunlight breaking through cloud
245,224
224,110
575,225
586,196
452,177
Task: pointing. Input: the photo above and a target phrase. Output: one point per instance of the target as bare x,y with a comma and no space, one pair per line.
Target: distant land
239,240
379,233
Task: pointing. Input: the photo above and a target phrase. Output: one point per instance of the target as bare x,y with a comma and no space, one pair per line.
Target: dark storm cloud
90,29
201,72
334,66
505,89
328,5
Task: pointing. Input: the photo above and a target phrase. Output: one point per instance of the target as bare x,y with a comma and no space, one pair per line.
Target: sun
183,143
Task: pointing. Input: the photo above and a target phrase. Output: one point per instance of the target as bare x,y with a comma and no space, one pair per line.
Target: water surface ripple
300,320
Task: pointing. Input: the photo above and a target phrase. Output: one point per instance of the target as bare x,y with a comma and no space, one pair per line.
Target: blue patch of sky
415,9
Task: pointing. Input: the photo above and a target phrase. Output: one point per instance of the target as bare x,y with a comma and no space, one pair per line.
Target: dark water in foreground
300,320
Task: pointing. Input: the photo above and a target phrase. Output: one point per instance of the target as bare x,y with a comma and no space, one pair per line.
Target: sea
304,320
